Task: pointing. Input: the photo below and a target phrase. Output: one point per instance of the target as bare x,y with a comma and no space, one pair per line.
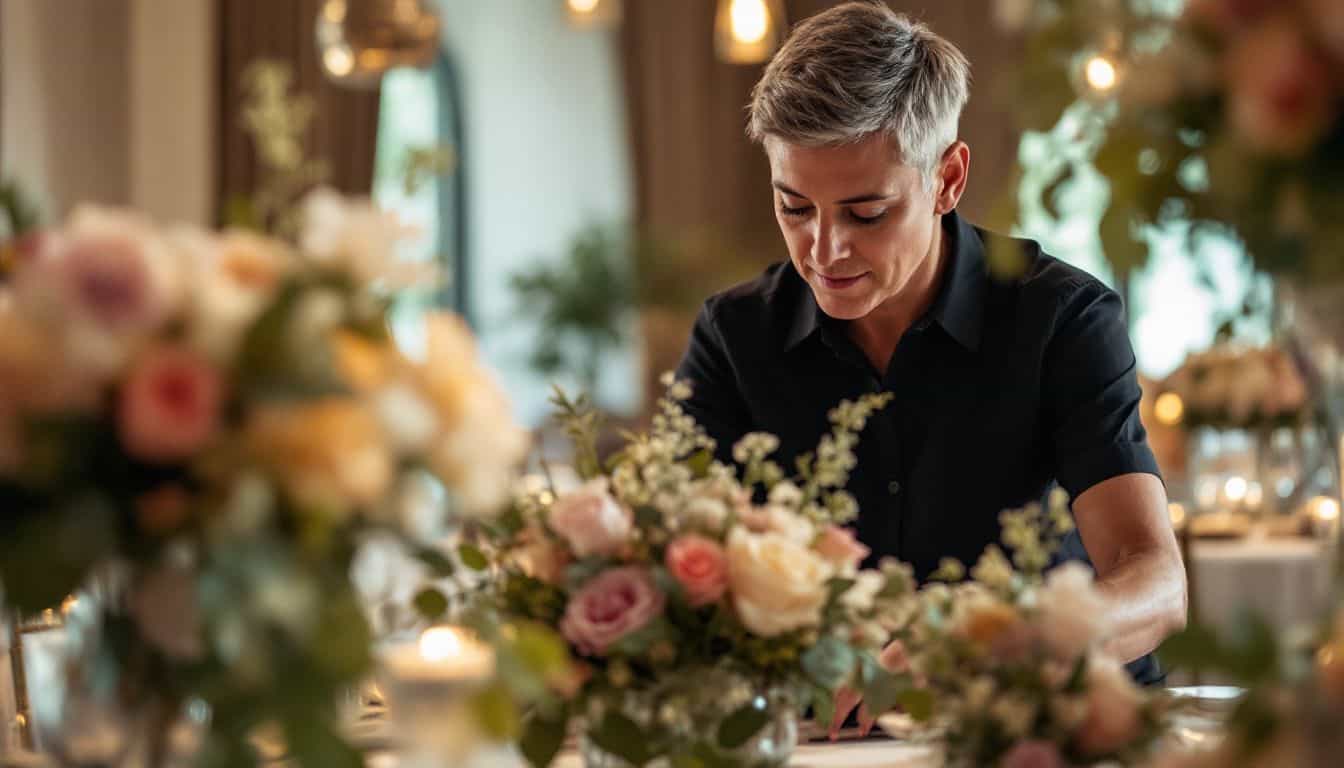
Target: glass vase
683,714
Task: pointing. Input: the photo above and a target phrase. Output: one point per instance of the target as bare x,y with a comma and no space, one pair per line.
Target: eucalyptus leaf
623,738
829,662
430,603
541,740
473,557
497,712
882,693
741,725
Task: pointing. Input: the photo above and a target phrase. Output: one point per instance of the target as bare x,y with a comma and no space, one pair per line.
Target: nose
828,244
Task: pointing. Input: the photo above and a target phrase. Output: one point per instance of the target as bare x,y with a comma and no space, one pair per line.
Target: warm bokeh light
440,643
583,6
750,20
1100,73
338,60
1324,508
1177,512
1169,409
1235,489
334,11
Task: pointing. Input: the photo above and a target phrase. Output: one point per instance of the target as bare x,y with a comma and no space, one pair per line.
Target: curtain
344,131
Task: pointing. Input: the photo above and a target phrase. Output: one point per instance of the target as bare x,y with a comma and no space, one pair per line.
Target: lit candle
443,654
430,685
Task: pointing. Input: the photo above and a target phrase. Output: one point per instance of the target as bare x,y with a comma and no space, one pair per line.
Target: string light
1235,489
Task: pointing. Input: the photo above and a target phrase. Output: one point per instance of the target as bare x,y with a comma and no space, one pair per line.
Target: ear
952,170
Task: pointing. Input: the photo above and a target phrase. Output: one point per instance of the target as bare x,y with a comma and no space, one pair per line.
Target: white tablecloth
1284,580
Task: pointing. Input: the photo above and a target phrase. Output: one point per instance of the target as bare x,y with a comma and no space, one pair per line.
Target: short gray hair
857,69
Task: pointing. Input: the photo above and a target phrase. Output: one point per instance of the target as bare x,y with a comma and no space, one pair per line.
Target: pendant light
748,31
359,40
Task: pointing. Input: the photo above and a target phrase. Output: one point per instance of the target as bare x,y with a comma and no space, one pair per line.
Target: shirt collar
959,307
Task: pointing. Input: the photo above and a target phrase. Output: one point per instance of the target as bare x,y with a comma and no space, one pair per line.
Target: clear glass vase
682,715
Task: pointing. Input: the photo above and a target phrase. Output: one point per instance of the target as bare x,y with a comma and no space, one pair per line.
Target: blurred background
594,184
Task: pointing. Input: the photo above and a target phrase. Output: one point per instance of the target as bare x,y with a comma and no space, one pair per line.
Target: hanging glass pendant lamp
587,14
748,31
359,40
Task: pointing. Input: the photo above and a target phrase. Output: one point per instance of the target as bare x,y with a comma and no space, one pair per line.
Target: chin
843,308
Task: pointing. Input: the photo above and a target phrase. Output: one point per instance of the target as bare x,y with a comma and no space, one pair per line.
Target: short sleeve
1091,392
716,401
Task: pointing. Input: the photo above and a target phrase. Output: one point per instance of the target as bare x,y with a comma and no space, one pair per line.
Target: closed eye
873,219
798,212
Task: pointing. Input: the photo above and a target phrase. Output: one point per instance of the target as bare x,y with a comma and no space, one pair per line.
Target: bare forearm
1146,600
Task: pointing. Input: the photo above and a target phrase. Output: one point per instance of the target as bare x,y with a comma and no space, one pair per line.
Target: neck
878,332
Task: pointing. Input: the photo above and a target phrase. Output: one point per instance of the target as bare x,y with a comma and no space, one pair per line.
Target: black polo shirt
1002,389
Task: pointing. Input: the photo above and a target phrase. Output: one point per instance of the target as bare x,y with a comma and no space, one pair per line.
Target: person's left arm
1102,459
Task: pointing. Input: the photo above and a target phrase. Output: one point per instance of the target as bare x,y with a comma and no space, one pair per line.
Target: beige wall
109,101
172,115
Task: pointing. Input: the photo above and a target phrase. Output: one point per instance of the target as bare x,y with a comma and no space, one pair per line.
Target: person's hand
892,659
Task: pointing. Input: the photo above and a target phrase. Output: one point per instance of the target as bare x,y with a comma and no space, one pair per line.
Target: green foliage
581,305
430,603
541,739
581,422
472,557
621,736
741,725
1249,650
829,663
18,215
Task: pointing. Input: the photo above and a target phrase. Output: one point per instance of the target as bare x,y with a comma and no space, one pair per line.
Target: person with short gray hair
1005,386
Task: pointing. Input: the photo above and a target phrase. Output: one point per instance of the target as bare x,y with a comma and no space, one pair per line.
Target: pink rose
1282,97
699,566
609,607
169,405
1113,717
591,521
840,547
1032,754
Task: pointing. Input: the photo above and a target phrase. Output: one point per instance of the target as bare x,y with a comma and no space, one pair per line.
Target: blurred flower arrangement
1232,385
1291,712
1223,114
1012,658
703,620
202,425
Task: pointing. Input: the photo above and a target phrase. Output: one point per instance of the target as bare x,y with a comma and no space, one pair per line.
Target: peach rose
591,521
542,558
169,405
699,566
612,605
1113,717
840,547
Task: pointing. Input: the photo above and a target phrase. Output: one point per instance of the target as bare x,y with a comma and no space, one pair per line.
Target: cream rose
1113,717
1072,614
777,583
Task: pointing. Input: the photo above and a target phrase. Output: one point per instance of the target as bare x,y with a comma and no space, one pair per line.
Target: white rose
777,584
1071,614
591,521
358,237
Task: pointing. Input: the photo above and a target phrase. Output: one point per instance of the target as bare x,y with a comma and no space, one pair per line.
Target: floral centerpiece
202,424
1223,114
1013,661
708,604
1233,385
1291,712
